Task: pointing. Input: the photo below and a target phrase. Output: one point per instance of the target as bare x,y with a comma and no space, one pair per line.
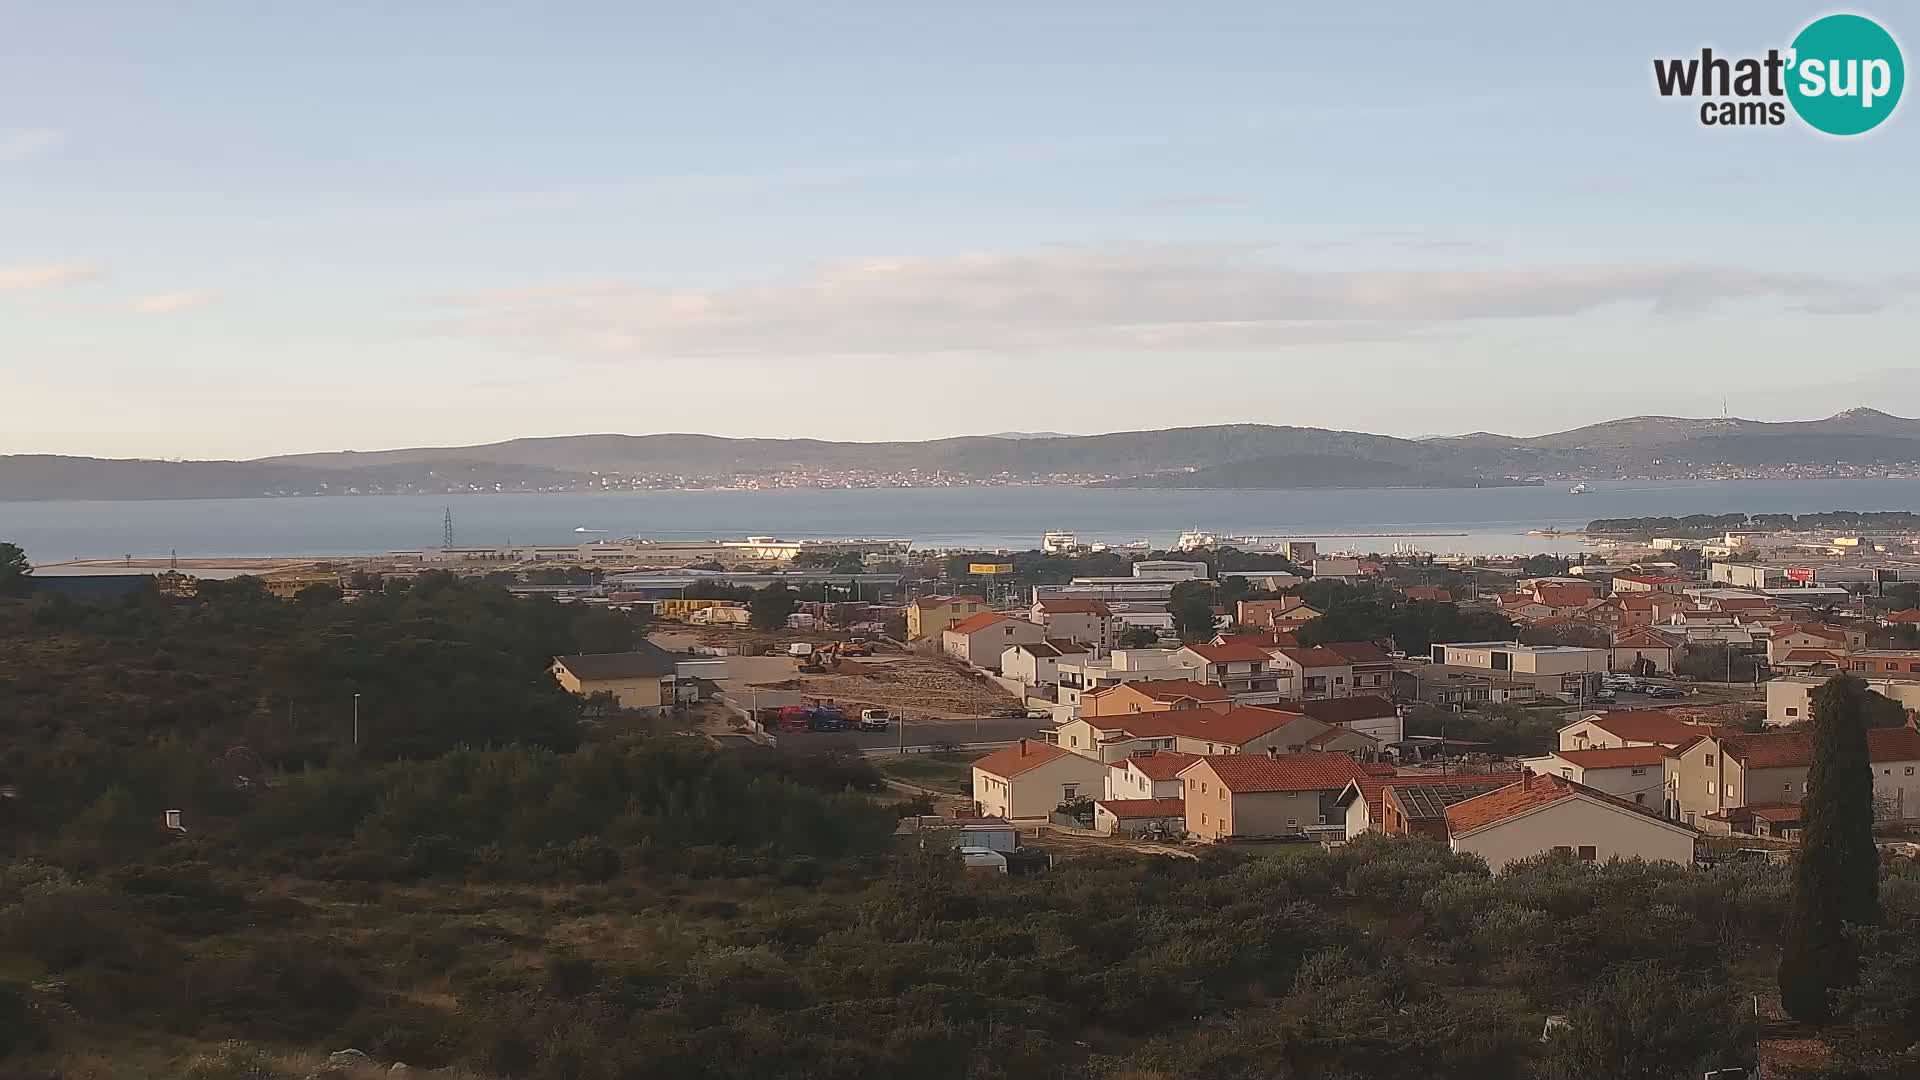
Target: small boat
584,529
1578,489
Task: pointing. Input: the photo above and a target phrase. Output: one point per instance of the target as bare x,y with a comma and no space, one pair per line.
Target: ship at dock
638,551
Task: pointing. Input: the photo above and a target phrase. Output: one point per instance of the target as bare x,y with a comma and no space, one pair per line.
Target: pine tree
1837,883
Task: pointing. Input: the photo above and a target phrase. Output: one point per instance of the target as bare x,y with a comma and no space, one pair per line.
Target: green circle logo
1846,74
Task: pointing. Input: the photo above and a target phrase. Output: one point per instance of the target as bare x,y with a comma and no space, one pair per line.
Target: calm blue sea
1495,520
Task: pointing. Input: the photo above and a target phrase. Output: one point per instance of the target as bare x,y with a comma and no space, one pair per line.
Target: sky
237,229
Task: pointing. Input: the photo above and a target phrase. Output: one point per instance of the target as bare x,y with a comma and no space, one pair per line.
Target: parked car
1039,714
1665,692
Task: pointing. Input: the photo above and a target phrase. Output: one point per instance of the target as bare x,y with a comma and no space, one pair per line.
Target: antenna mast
446,529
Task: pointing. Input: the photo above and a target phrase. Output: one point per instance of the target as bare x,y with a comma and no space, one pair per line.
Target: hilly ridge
1221,456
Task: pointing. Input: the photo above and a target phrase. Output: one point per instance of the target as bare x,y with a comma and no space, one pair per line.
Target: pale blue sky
234,229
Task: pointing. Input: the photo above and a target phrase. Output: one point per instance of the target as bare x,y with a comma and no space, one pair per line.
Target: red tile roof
1814,656
1780,813
1819,630
1222,654
1911,615
1159,764
1074,607
1168,690
1614,757
1651,579
1333,734
1429,593
1564,596
1135,809
1360,652
1023,756
1245,774
1316,657
1534,792
1645,639
975,623
1793,748
1652,726
1373,788
1235,727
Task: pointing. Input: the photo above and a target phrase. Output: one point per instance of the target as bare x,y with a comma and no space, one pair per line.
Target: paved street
924,734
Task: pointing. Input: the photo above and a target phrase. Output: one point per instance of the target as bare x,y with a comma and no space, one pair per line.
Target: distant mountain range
1855,442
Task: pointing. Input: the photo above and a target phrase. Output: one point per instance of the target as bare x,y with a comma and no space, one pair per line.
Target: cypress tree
1837,882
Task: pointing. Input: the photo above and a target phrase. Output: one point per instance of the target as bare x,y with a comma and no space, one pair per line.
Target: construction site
855,675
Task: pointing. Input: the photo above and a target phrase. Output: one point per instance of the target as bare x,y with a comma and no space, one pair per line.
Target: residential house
1154,695
1030,778
1088,674
1362,803
1263,614
1885,663
1780,821
1308,674
1426,594
1089,622
1547,813
1907,617
1372,667
1369,714
980,640
1137,817
1253,795
1356,744
1651,727
1038,663
1637,774
1149,774
1245,671
1645,652
1718,772
1790,697
929,616
1823,662
1564,670
1445,684
1790,636
641,680
1646,583
1190,731
1631,611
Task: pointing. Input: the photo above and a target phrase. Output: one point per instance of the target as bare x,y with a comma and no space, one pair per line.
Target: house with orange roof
927,616
1372,667
980,640
1729,769
1426,594
1148,774
1089,622
1787,637
1363,806
1255,795
1308,674
1245,671
1637,774
1547,813
1645,652
1627,727
1908,617
1372,714
1192,731
1139,817
1030,778
1154,695
1038,663
1646,583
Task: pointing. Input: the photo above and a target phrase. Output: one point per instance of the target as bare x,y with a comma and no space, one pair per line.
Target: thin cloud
1159,298
46,276
184,300
25,144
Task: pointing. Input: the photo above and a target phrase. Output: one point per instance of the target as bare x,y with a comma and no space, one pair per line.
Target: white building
1037,663
1549,813
1790,697
1637,774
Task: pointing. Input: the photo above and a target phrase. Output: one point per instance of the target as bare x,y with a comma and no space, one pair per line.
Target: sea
1442,521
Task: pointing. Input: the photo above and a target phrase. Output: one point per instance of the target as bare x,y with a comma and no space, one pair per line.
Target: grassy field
951,772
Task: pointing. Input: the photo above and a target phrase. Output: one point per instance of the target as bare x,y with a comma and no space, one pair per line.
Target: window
1640,797
1786,787
1791,711
1223,795
1203,818
1909,770
1068,791
1293,823
1588,853
1709,787
1709,760
1568,773
1073,740
1639,770
1562,849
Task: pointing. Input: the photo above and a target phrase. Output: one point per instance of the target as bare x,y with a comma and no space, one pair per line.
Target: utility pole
356,719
